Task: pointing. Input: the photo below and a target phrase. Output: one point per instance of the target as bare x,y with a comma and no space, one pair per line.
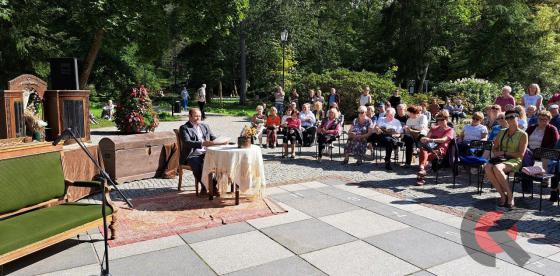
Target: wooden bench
34,212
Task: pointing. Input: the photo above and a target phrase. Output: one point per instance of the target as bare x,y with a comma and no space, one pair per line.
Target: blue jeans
279,108
185,103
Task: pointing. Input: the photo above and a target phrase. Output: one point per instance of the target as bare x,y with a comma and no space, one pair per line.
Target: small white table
242,166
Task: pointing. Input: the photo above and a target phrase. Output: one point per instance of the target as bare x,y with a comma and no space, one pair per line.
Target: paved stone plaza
341,220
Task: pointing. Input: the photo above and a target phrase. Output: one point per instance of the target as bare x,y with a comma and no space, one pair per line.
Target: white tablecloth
243,166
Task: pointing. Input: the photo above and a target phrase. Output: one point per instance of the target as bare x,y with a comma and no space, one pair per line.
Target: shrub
349,86
476,93
134,112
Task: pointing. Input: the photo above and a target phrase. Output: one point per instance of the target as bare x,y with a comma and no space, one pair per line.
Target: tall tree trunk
421,85
90,59
242,64
220,92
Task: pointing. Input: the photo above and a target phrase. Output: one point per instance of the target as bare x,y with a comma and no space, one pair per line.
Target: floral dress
358,147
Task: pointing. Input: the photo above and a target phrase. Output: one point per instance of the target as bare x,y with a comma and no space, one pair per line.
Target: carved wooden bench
34,212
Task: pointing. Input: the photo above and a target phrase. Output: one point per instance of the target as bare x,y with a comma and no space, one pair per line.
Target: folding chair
472,161
541,153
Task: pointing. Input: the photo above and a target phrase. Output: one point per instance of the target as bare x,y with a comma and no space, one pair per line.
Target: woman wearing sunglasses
507,154
434,145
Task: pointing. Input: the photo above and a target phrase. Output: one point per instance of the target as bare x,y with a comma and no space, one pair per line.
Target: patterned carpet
181,212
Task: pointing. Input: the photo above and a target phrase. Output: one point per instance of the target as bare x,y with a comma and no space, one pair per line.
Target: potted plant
246,138
134,111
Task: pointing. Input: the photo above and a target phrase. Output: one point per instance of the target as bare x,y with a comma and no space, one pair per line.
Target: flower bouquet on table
246,137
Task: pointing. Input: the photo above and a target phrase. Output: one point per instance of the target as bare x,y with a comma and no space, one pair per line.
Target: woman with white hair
506,98
358,134
387,130
258,121
532,97
329,129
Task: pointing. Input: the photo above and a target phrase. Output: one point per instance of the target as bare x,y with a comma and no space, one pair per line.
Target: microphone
66,134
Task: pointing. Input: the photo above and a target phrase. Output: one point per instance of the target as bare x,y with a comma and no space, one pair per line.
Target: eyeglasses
476,119
544,118
510,117
361,112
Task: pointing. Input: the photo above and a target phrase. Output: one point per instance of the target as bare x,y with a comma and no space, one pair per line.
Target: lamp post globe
283,39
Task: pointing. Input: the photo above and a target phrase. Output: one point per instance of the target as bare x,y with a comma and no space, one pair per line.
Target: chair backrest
30,180
179,142
544,153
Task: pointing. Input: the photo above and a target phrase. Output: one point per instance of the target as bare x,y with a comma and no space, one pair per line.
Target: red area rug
177,213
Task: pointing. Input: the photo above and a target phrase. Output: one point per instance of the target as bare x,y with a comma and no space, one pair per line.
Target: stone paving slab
179,260
236,252
290,216
61,256
418,247
138,247
363,223
217,232
307,235
321,206
468,266
544,267
292,266
89,270
358,258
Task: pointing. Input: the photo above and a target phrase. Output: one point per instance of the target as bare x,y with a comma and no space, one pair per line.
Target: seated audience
258,121
358,134
532,115
308,121
329,129
380,112
543,134
370,113
416,127
395,99
425,111
387,130
196,136
318,112
555,121
522,120
318,97
507,154
108,110
472,132
501,124
555,99
434,108
492,112
401,114
457,111
273,122
292,133
294,97
434,145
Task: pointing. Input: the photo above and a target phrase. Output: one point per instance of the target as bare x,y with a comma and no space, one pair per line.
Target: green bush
475,93
349,86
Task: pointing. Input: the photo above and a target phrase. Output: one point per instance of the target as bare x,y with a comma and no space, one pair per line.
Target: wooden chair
183,167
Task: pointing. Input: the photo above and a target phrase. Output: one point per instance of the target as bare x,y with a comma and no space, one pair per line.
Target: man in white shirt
195,137
387,130
308,124
201,97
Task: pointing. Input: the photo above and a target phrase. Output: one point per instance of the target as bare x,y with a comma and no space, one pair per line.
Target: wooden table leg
236,194
210,187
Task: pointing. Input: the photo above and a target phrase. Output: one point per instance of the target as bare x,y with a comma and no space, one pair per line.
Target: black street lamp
283,39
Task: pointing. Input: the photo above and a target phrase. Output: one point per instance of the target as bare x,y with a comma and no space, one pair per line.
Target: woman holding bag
507,154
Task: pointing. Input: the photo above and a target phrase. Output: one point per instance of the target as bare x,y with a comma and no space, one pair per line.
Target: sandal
420,181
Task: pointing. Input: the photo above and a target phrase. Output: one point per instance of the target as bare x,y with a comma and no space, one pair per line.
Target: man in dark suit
196,136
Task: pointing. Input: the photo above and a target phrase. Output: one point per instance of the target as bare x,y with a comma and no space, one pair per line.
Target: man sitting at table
196,136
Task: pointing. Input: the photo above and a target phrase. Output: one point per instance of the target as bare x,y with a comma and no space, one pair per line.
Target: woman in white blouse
416,127
532,97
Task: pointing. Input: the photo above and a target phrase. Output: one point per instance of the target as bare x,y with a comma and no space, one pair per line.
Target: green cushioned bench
34,213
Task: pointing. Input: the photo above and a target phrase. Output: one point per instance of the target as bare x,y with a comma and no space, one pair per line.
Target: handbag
533,170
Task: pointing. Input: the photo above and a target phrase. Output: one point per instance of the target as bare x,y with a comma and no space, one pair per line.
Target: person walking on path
201,98
185,98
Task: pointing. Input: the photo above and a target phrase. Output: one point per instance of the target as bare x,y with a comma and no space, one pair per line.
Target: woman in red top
506,98
434,145
272,125
293,125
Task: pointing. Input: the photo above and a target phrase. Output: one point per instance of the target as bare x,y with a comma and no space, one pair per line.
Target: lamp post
283,39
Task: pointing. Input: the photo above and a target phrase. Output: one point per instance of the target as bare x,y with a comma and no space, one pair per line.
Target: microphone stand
105,178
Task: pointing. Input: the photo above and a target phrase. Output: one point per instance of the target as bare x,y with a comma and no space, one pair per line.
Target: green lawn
226,107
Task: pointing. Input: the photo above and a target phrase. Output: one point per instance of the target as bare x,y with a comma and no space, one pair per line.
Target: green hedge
349,85
475,93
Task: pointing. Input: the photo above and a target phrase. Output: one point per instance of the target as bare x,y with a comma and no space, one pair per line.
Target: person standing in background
185,98
201,95
506,98
365,97
279,99
333,97
395,99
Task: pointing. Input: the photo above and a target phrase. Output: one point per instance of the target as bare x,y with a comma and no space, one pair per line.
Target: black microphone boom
66,134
